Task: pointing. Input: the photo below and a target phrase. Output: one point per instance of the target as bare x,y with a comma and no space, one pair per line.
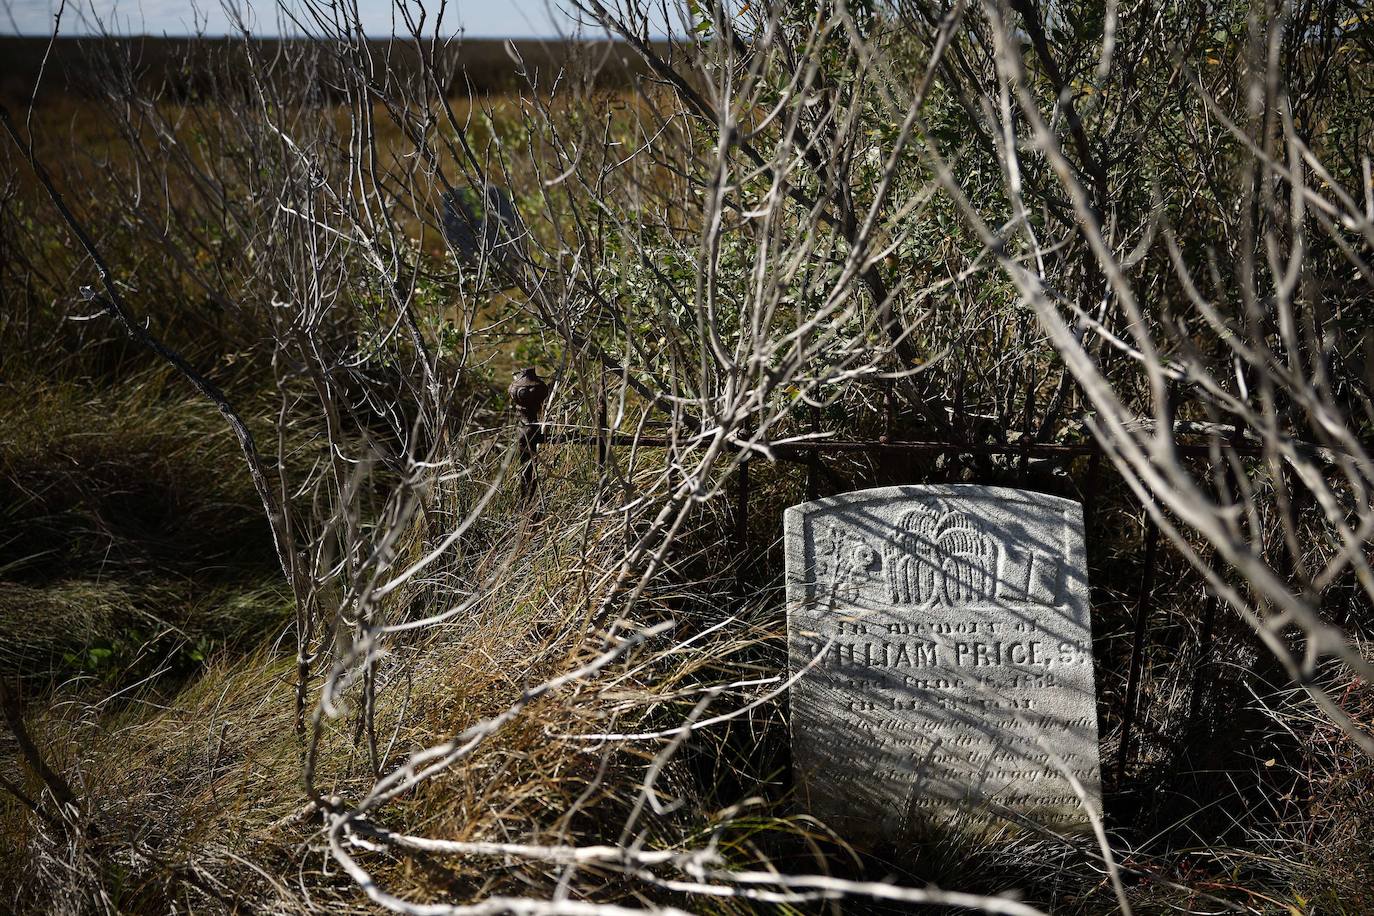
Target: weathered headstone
943,637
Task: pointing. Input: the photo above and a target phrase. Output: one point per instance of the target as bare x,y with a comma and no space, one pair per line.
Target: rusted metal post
1026,427
1090,492
813,467
889,409
1142,613
603,443
741,517
528,392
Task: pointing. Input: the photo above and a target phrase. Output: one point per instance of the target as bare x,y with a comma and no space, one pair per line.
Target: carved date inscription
944,652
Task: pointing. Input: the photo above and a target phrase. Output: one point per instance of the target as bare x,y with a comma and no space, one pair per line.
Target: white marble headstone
946,652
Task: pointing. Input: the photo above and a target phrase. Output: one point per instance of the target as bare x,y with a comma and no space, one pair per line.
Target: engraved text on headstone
946,652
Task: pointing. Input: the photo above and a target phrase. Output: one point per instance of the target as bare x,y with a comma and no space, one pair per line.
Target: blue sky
477,18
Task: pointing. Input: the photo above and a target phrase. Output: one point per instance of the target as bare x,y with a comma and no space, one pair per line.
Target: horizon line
194,35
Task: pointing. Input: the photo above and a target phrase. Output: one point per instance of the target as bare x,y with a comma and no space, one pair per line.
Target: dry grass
140,605
196,794
193,782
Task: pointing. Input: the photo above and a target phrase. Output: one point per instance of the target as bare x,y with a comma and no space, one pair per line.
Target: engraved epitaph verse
950,650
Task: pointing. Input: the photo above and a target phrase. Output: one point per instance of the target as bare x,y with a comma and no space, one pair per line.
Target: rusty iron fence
811,454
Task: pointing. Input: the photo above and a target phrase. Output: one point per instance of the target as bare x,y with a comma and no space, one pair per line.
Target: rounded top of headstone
929,491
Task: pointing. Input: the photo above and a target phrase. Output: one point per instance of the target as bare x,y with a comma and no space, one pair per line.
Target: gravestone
945,657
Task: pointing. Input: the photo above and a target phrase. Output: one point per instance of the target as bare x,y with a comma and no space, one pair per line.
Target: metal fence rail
811,453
